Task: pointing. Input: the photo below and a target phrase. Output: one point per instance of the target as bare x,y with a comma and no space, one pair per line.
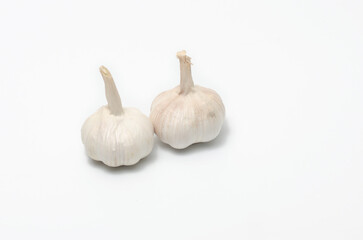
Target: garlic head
116,135
188,113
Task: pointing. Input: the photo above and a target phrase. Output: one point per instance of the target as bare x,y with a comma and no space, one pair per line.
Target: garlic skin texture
187,114
115,135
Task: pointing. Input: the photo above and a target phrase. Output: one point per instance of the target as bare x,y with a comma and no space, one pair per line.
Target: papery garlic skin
118,140
187,114
116,135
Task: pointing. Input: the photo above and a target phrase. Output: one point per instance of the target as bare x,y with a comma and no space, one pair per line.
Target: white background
287,164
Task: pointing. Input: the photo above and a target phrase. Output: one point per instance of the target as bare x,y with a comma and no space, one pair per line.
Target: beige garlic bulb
116,135
188,113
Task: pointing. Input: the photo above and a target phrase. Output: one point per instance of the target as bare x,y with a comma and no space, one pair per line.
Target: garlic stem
113,98
186,80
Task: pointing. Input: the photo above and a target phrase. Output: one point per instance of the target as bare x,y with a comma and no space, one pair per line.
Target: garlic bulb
187,114
116,135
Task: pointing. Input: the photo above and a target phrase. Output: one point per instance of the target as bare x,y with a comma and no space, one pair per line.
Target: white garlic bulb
116,135
187,114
